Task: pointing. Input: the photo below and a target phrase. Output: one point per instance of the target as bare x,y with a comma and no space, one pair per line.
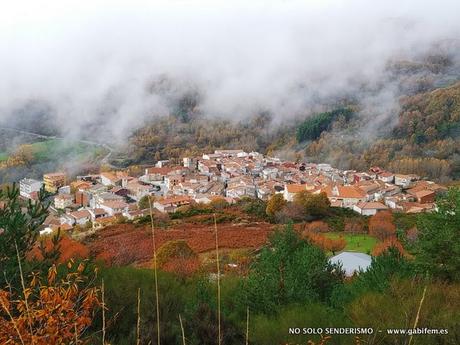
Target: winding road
104,160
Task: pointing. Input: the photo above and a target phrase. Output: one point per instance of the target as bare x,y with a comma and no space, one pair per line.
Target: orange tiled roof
296,188
80,214
372,205
174,199
348,192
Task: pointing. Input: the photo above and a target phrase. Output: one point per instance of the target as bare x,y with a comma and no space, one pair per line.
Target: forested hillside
424,140
175,137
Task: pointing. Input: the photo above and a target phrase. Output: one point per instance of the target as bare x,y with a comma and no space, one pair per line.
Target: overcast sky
90,57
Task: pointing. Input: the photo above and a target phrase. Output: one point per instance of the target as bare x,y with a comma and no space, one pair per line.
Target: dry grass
138,326
155,270
103,312
219,340
182,330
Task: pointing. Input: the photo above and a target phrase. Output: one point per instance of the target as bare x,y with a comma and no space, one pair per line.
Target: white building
162,163
61,201
27,187
190,163
404,181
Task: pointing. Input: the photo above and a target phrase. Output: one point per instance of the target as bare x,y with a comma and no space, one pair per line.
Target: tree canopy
438,238
19,229
313,126
289,270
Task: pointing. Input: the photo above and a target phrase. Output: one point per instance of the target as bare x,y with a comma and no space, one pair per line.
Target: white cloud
92,57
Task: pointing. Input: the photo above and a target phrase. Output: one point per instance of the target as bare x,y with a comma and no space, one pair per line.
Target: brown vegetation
381,225
67,249
126,244
386,245
318,226
325,243
49,311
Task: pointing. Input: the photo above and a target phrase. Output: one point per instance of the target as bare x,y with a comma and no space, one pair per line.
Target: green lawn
3,156
355,243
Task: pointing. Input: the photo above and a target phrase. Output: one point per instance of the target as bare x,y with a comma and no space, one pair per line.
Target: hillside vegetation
313,126
33,158
424,140
175,137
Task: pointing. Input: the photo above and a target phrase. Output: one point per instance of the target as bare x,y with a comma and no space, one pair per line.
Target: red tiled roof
372,205
174,199
296,188
161,171
81,214
348,192
115,204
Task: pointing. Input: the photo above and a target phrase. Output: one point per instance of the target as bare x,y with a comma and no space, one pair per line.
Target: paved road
104,160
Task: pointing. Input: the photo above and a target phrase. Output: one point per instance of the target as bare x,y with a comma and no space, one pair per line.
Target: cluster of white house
229,174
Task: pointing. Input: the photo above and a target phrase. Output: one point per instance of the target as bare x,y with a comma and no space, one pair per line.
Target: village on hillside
101,199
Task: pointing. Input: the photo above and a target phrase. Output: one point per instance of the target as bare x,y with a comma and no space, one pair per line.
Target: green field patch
54,149
361,243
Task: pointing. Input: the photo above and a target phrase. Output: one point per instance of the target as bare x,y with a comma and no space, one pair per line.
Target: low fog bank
105,69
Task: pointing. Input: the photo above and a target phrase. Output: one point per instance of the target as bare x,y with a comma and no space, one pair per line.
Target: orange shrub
354,226
51,311
318,226
384,246
325,243
381,226
68,249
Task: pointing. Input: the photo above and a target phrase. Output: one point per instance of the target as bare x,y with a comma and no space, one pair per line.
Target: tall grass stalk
15,325
103,312
418,312
247,325
25,294
138,327
155,270
219,340
182,330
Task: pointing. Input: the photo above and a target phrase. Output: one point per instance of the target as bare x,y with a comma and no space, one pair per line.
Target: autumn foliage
354,226
386,245
67,249
318,226
49,310
125,244
182,266
381,225
275,205
177,257
325,243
